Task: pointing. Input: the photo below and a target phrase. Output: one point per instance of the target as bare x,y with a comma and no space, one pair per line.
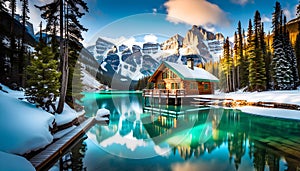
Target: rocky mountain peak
174,43
220,37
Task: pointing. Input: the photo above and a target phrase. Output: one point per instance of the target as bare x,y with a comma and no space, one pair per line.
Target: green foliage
74,89
222,77
244,72
144,84
43,76
227,65
257,79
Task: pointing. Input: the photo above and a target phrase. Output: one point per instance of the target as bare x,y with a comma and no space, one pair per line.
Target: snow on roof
185,73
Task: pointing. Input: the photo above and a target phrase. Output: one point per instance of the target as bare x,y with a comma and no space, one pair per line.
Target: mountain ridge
139,59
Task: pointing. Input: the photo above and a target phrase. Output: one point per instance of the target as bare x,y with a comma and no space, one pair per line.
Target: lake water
184,138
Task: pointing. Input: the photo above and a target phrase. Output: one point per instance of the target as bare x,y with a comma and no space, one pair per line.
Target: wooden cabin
184,78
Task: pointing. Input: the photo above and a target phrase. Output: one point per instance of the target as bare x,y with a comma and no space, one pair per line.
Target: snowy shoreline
288,97
25,128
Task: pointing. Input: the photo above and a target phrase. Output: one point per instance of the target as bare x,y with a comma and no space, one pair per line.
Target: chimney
190,63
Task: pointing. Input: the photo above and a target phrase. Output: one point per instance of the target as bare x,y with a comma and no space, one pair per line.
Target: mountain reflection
251,142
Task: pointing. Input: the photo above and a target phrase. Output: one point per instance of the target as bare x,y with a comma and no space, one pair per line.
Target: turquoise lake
184,138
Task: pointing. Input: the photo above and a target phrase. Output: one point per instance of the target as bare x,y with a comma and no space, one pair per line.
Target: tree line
251,63
51,69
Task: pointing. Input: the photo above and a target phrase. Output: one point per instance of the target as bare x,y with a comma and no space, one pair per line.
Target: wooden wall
197,88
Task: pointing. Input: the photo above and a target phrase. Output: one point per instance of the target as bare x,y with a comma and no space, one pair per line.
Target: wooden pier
54,151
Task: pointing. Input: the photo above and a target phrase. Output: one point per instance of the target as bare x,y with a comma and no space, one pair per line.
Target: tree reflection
73,160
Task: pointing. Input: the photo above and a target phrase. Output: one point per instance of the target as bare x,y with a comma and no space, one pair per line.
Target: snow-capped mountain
131,59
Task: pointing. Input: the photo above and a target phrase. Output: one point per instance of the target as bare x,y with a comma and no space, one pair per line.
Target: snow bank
101,114
66,116
11,162
286,96
23,127
15,94
269,112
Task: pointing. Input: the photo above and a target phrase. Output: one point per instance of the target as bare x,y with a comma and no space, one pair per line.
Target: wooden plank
58,147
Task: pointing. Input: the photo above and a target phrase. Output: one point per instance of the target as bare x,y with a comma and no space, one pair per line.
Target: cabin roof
185,73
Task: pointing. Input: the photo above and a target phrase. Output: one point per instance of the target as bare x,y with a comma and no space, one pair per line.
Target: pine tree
74,29
68,12
222,77
12,6
236,62
4,68
297,44
283,78
22,54
43,76
241,60
259,62
251,56
290,56
245,63
226,65
75,85
268,58
50,13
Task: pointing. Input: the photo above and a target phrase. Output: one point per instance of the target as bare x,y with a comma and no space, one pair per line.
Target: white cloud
150,38
266,19
242,2
287,13
196,12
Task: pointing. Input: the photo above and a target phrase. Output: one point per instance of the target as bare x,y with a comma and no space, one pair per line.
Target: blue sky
115,18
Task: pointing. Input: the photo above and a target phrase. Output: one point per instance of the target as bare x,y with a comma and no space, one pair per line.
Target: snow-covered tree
297,44
43,76
283,55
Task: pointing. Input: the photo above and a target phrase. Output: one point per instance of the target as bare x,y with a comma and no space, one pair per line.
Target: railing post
159,97
167,101
176,100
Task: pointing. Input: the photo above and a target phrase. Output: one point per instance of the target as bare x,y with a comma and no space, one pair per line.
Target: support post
176,99
167,100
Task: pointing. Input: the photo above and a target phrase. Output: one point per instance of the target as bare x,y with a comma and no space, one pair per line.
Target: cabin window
193,86
206,86
171,74
165,75
173,86
178,85
161,86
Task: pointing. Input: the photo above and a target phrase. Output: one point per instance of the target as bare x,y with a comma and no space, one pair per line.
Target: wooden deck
55,150
173,96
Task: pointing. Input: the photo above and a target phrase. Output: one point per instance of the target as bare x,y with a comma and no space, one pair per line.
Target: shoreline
260,108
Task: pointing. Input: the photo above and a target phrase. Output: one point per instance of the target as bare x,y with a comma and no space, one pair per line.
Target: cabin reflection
209,129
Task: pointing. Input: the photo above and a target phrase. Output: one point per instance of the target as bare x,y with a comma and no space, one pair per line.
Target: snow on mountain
133,59
89,82
196,43
173,44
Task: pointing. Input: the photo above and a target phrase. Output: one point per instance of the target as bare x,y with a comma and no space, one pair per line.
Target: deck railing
164,92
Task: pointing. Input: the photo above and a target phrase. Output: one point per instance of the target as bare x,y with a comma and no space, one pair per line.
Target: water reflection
190,138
